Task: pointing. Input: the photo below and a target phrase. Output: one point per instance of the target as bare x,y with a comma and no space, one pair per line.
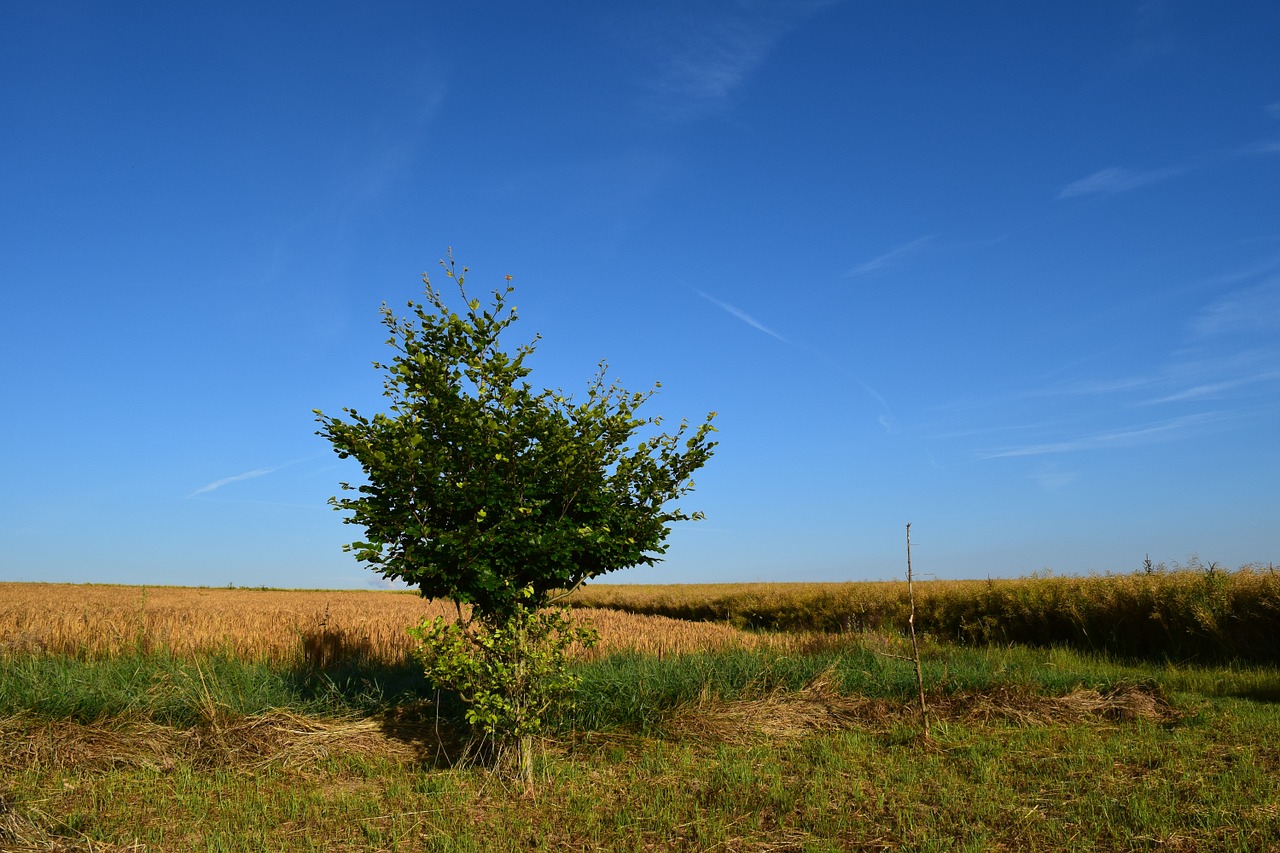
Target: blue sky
1007,271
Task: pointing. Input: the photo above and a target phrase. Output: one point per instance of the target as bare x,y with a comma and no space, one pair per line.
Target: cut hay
819,707
781,715
278,738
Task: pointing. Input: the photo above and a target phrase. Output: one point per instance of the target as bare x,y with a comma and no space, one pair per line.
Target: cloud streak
1094,387
1247,310
703,60
885,418
1212,389
1116,180
1269,147
734,311
218,484
892,257
1103,440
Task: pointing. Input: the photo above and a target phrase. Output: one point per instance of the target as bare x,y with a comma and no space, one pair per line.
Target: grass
1109,713
811,746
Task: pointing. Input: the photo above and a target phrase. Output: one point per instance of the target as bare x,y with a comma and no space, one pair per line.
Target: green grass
150,753
178,691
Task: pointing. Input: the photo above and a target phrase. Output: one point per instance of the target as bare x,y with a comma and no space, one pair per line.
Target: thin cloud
218,484
743,316
720,65
248,475
1252,271
1247,310
1102,440
892,257
1269,147
1116,180
1086,388
703,60
1212,389
885,418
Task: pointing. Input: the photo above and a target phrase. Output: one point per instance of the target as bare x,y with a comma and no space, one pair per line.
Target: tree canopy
486,490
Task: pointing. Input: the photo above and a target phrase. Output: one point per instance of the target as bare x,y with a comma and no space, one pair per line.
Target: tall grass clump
1204,615
181,691
637,691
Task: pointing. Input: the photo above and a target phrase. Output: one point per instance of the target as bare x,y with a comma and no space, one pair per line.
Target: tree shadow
1258,692
436,732
339,670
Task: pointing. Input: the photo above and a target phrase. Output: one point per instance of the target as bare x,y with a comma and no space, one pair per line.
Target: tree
486,491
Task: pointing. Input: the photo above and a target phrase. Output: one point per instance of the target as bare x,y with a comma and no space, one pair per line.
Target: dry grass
278,737
283,739
821,707
281,626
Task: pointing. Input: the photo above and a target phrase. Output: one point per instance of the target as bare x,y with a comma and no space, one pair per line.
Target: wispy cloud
1266,147
1213,389
1104,440
721,62
1251,271
893,256
1116,180
885,418
247,475
734,311
1093,387
218,484
704,59
1247,310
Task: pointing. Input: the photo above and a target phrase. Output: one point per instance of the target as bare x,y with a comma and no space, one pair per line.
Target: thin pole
915,647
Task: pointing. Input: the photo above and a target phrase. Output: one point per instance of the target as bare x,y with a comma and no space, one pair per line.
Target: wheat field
95,621
1195,612
1188,614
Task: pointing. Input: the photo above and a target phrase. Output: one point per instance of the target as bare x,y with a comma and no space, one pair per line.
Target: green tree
502,497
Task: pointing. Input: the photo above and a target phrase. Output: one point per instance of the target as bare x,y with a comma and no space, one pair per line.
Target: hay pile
820,707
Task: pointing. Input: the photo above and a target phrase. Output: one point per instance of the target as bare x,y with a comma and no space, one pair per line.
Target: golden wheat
1181,614
281,625
1201,612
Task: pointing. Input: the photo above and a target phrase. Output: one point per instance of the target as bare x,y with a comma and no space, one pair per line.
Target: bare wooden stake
915,647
